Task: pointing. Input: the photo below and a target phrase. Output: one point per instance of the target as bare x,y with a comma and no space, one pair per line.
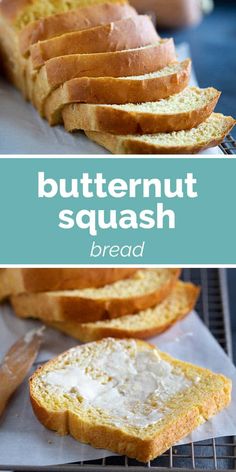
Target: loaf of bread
144,289
129,62
106,69
135,89
16,281
126,396
206,135
178,112
144,324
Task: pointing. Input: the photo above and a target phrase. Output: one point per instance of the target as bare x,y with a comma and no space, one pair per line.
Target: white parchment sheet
22,131
24,441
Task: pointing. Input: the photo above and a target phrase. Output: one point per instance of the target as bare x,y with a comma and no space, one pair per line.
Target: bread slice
129,62
135,89
208,134
144,289
75,20
182,111
20,13
128,33
144,324
126,396
15,281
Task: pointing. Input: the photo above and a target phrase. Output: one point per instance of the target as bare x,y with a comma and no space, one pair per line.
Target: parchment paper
22,131
24,441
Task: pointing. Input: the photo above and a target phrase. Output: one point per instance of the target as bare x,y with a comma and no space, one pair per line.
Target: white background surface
21,433
22,131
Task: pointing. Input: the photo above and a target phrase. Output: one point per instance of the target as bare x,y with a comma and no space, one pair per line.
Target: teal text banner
117,211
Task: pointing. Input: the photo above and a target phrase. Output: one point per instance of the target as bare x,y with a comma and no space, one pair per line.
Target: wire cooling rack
229,145
214,454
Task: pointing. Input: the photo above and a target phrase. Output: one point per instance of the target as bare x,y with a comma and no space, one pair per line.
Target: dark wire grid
229,145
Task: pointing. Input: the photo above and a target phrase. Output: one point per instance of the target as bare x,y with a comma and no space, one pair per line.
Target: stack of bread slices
102,68
91,304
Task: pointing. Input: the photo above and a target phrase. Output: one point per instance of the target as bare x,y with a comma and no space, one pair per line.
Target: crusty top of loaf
10,9
22,12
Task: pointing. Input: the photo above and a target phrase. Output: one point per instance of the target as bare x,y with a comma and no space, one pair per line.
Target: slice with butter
126,396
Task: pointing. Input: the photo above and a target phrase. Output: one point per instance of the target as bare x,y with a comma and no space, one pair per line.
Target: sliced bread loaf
182,111
144,289
126,396
128,33
15,281
142,325
74,20
135,89
206,135
130,62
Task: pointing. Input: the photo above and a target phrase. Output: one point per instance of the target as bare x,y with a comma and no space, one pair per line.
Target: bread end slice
124,410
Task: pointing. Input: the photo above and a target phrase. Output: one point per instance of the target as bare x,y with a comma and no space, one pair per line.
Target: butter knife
17,363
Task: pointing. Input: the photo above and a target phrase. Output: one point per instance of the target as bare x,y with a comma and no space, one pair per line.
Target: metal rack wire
229,145
215,454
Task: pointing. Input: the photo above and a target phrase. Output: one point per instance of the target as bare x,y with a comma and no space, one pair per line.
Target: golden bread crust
73,20
10,9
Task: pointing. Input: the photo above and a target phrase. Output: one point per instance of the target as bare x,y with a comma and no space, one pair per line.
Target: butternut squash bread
74,20
126,396
144,324
144,289
137,89
182,111
208,134
128,33
139,61
20,13
15,281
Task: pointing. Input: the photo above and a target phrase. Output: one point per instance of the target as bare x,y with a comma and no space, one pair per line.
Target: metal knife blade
17,363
